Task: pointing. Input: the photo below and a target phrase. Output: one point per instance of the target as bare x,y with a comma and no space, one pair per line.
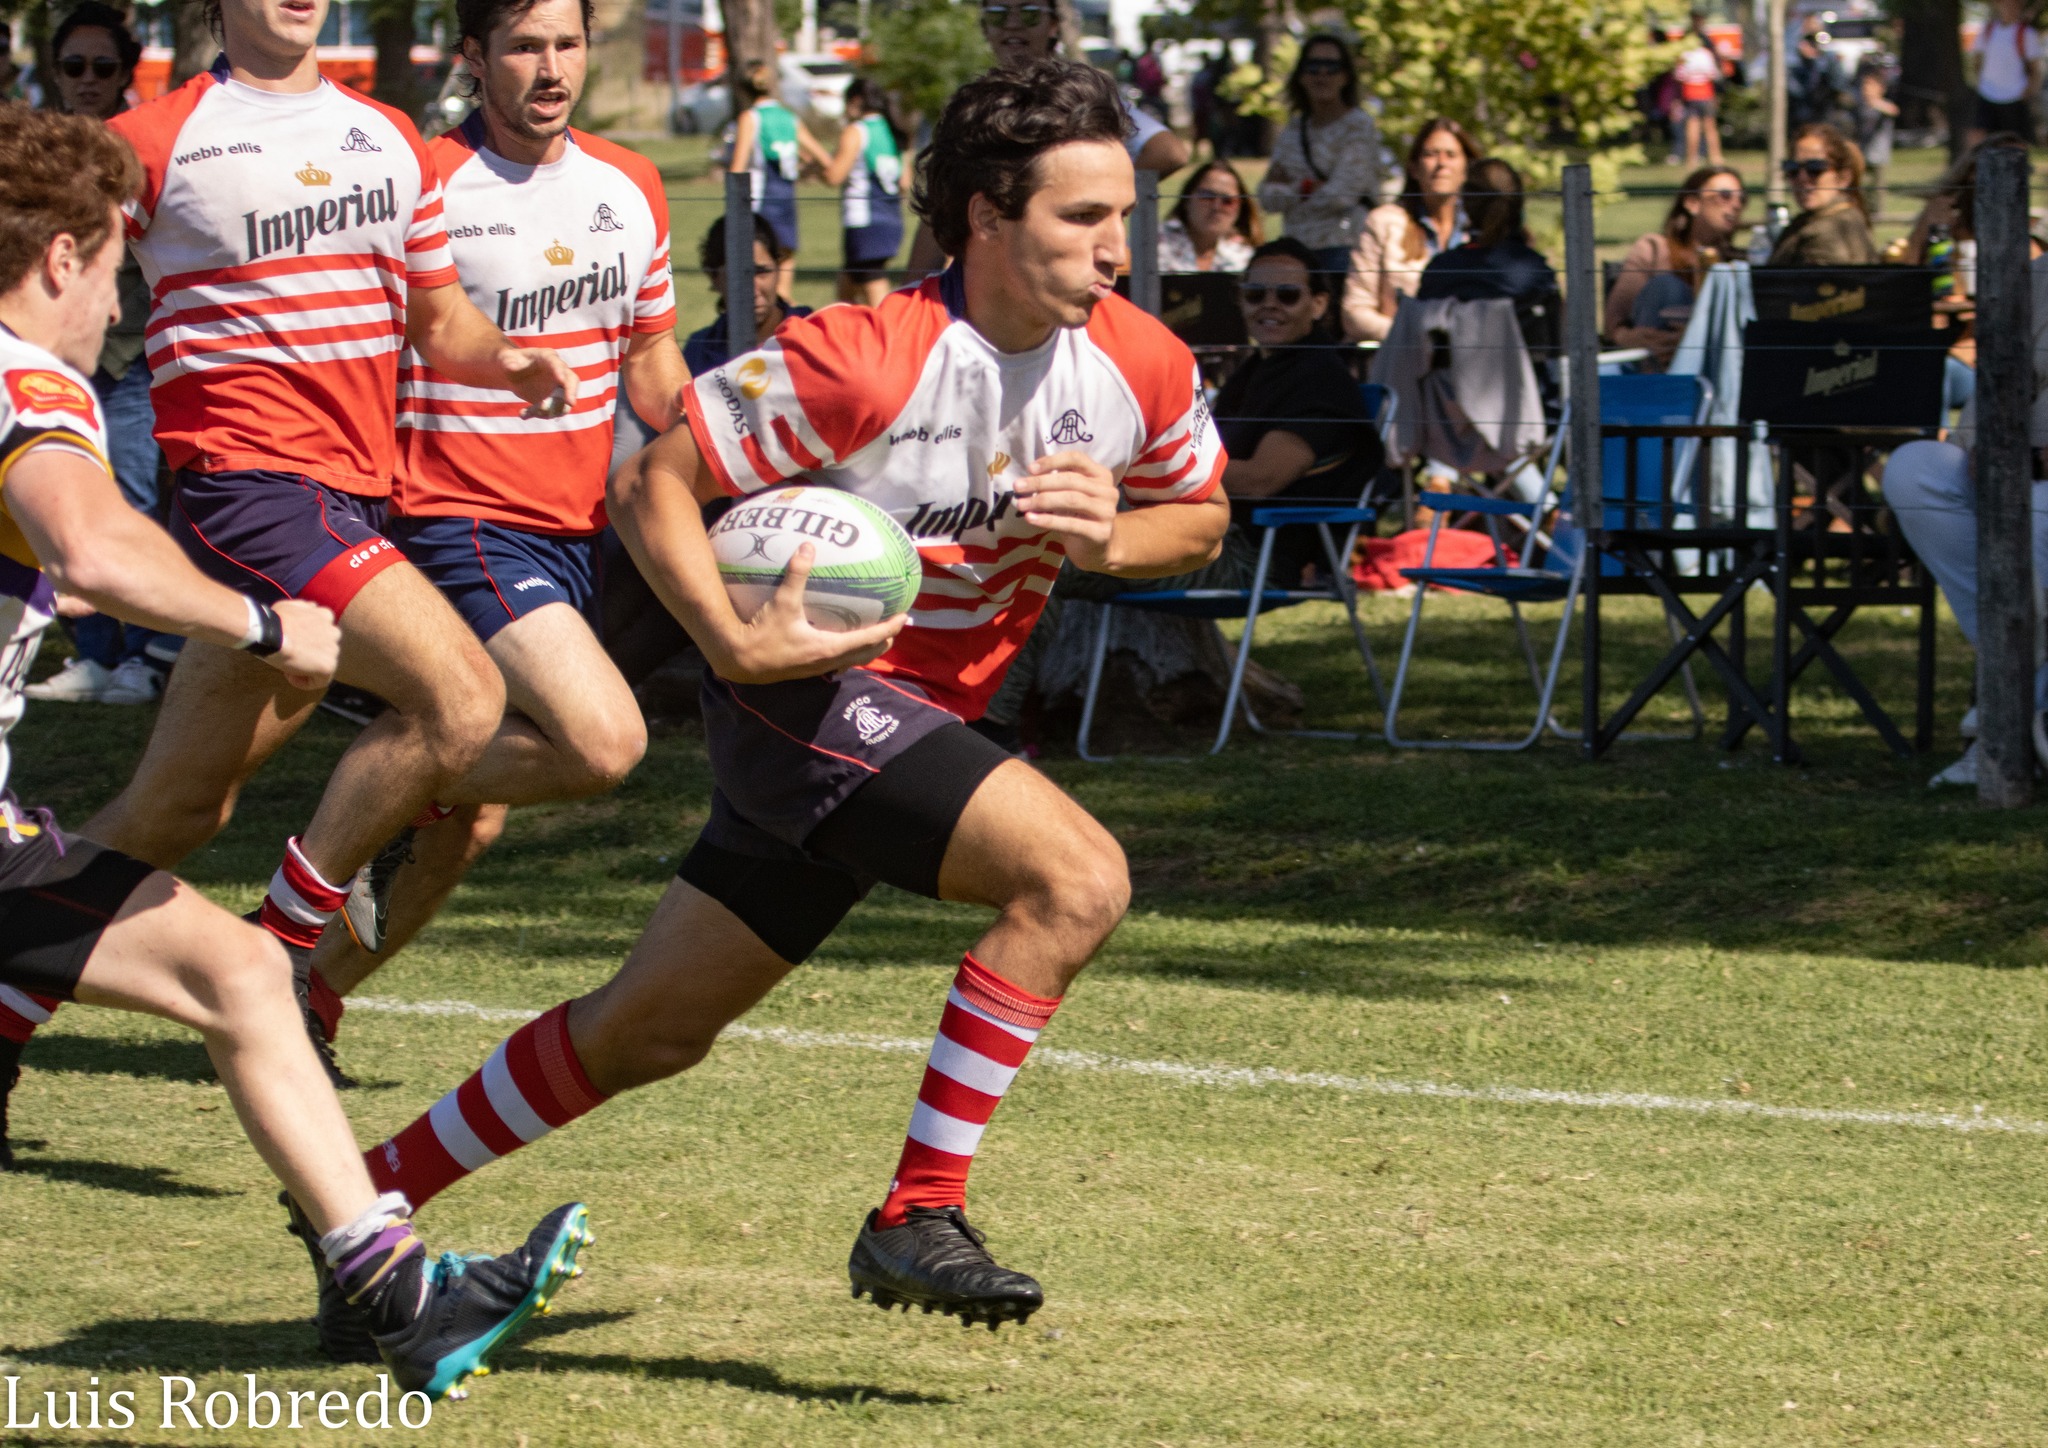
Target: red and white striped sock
986,1031
21,1013
300,902
532,1084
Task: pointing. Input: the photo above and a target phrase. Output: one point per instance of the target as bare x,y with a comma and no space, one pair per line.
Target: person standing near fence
1326,163
2008,55
94,56
1699,76
1401,238
770,144
868,169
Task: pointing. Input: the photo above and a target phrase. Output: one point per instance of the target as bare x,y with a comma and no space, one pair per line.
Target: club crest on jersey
870,723
314,176
357,141
36,389
604,220
1069,429
753,378
293,228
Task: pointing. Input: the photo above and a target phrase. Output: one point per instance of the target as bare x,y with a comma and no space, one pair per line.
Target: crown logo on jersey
605,221
753,376
357,141
314,176
997,463
559,255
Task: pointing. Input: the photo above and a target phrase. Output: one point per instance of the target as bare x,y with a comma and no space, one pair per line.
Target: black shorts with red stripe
58,892
278,535
822,788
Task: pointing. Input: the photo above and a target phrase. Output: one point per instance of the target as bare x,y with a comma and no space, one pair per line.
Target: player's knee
240,980
467,709
610,751
656,1054
1087,886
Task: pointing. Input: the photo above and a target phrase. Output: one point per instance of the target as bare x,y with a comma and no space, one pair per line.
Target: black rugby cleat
10,1073
936,1261
346,1333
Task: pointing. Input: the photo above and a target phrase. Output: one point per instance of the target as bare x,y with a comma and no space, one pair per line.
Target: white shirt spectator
1344,157
2006,51
1177,251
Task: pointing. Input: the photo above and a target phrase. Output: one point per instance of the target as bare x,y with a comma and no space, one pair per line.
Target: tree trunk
750,34
393,33
196,45
1931,66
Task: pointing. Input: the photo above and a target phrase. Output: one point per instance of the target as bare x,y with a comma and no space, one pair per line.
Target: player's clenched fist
544,382
1072,495
311,647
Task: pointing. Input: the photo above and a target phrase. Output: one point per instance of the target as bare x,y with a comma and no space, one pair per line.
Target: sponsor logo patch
536,582
36,389
559,255
314,176
753,376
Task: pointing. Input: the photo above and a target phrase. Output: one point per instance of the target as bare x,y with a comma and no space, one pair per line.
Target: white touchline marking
1219,1076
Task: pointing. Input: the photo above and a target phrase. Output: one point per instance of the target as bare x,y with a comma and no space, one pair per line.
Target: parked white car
814,86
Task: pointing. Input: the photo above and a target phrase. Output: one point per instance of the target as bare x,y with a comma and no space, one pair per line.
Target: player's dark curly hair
476,19
58,174
994,129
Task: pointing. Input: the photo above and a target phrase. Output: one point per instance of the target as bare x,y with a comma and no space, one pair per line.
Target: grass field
1329,1255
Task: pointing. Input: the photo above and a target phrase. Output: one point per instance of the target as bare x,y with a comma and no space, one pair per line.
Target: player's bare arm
654,375
95,547
654,501
1075,497
464,346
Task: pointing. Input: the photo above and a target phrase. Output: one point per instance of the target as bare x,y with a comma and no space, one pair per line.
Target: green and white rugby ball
866,568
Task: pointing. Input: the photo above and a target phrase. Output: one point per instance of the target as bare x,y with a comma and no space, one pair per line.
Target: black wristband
273,632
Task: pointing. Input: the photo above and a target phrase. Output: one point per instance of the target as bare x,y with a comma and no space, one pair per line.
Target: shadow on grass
178,1345
136,1181
176,1059
732,1372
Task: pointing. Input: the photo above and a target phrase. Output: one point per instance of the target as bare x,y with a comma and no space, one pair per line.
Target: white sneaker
80,681
1962,772
133,682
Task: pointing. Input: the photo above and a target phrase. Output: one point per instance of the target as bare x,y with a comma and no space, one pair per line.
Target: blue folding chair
1643,400
1515,579
1249,603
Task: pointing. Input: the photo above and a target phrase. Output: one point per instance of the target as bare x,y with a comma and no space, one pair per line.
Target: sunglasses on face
1736,196
1322,67
1221,198
104,67
1287,294
1813,170
1003,17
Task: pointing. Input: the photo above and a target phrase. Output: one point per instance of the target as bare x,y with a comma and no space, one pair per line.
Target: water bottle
1759,244
1941,260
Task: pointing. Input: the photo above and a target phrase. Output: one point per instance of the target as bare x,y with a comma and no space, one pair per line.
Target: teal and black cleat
457,1309
347,1332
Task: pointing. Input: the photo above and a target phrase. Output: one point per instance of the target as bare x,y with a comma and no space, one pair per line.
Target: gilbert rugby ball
866,568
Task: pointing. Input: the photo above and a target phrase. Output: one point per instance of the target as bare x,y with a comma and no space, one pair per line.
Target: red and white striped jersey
572,255
911,408
279,234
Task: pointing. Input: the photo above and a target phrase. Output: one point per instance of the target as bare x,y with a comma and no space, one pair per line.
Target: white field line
1218,1077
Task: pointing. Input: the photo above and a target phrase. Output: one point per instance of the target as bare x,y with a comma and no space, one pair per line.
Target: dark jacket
1472,273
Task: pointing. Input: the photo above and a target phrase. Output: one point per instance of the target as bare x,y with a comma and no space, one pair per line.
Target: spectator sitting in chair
1497,261
1653,296
1930,489
1292,418
1833,225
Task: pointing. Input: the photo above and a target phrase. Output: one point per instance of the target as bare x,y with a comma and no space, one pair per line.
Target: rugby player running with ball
91,924
1004,412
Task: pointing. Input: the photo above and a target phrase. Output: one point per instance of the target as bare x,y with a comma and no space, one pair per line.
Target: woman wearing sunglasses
1652,297
1825,170
1214,226
1326,160
93,57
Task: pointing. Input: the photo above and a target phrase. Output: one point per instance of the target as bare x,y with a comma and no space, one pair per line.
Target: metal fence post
1145,243
739,263
1582,360
2004,469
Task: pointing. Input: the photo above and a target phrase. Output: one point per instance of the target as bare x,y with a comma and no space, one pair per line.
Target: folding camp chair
1632,489
1515,580
1248,603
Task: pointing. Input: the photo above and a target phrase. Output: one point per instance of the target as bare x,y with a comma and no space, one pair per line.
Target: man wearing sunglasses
94,64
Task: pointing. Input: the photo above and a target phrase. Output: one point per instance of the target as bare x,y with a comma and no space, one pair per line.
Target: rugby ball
866,568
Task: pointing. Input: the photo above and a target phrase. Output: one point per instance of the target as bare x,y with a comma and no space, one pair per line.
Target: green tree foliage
1540,84
924,50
